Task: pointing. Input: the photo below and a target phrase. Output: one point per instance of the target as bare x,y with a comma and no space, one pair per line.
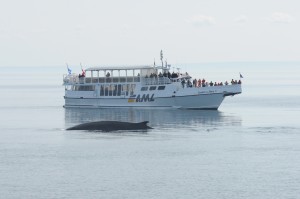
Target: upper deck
75,79
147,75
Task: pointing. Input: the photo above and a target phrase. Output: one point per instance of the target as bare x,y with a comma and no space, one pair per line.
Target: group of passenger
204,83
193,83
236,82
165,74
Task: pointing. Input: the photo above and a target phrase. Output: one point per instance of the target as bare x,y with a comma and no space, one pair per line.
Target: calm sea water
250,148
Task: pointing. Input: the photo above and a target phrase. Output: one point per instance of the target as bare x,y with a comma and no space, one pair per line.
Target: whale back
110,126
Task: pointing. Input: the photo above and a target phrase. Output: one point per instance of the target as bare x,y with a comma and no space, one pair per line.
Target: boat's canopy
105,68
142,71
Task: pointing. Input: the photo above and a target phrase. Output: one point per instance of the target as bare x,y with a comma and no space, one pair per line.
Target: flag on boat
69,70
241,76
83,71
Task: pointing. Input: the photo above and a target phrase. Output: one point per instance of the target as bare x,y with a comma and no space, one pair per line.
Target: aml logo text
144,98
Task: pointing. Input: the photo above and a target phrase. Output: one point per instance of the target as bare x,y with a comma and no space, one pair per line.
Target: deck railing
75,79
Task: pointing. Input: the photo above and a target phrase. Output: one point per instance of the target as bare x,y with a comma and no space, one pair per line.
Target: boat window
85,88
68,87
125,89
101,90
152,88
115,89
161,88
106,89
119,88
144,88
132,89
111,89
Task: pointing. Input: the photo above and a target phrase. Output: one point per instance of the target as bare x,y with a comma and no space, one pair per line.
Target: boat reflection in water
158,118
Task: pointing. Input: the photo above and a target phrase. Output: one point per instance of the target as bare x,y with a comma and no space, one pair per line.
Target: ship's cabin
146,75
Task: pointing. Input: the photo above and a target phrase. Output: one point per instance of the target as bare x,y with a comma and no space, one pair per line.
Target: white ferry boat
142,86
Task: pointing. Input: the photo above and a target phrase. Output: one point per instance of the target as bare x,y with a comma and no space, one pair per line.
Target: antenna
161,58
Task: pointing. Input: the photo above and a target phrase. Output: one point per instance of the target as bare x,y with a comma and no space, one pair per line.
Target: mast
161,58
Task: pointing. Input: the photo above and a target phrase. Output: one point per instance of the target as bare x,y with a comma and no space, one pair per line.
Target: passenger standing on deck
199,83
183,83
195,83
203,82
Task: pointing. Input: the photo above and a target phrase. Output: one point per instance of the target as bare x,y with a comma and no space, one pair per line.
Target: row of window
116,89
109,89
152,88
84,88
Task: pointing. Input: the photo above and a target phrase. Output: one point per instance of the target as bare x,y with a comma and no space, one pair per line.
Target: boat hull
185,98
200,101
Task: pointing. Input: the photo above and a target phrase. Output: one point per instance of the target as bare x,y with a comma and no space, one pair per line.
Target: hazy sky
93,32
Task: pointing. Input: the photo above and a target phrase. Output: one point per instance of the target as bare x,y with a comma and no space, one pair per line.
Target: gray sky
53,32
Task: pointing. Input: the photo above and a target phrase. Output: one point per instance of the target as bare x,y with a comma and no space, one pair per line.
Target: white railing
70,79
75,79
